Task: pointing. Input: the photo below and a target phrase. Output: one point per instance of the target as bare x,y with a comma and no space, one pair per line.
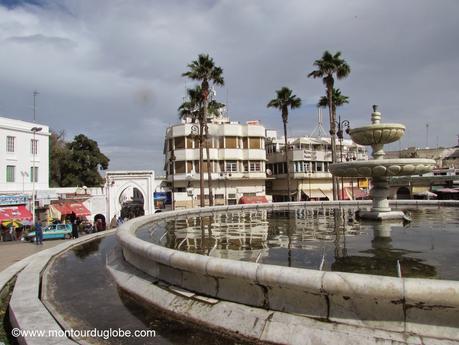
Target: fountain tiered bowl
379,169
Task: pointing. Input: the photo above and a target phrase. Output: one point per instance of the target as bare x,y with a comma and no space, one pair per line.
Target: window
9,144
231,166
180,167
189,142
34,146
255,166
33,174
10,172
255,143
231,142
179,143
245,144
246,166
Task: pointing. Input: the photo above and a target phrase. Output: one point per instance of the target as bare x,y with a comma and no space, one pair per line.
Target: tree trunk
201,172
205,95
209,170
332,130
284,119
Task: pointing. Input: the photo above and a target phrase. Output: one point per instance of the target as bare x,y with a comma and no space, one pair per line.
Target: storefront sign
13,200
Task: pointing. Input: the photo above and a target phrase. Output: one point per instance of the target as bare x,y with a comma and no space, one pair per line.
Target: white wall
22,157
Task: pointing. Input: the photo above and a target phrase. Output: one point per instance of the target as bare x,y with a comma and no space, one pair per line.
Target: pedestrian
113,222
12,231
99,225
38,233
120,220
75,229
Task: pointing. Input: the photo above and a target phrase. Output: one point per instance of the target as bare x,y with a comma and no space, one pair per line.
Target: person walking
38,233
12,231
113,223
73,221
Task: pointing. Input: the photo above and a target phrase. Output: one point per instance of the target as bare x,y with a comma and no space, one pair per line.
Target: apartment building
238,161
309,159
24,159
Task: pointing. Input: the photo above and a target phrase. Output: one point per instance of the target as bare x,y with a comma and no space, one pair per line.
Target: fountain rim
377,126
269,274
397,163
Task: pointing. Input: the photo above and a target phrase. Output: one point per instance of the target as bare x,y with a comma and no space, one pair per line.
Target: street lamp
172,171
24,174
225,176
349,157
339,134
34,174
189,187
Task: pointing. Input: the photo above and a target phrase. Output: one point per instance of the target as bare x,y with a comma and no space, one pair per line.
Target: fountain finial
376,115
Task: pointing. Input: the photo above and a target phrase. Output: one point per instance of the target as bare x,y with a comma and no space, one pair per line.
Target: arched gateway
129,193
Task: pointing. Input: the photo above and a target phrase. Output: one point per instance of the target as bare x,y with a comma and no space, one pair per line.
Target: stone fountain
379,169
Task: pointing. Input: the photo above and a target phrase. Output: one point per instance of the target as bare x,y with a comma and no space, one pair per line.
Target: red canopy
348,192
15,212
68,207
253,200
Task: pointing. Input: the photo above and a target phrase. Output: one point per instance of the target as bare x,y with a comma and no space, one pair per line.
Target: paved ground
13,251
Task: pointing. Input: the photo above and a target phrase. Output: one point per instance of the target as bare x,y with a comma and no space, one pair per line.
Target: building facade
309,159
24,158
238,161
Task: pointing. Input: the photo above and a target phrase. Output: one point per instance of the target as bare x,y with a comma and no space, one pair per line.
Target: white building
309,159
238,161
24,148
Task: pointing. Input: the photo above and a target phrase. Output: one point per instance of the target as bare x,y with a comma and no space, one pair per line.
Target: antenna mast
319,130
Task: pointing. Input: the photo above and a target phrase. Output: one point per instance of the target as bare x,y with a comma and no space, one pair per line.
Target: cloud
112,69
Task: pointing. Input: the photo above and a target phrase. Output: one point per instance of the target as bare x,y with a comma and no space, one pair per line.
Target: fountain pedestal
379,169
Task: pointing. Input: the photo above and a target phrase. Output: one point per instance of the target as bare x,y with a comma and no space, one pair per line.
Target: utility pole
427,135
35,93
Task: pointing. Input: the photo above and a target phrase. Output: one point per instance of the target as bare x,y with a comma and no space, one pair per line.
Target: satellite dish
269,172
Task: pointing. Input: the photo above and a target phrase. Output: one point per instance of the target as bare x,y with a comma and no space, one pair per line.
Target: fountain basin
383,167
377,134
420,307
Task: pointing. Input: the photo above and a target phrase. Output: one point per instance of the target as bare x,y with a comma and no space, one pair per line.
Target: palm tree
327,67
283,101
337,100
204,70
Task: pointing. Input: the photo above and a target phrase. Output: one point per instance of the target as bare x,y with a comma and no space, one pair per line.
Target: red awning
253,200
15,212
65,208
349,192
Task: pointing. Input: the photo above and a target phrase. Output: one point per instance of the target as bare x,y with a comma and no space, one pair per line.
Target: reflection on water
301,237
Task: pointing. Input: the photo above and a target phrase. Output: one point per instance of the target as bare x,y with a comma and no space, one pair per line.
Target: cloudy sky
111,69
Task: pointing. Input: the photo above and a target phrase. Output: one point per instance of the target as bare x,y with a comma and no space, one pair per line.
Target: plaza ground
13,251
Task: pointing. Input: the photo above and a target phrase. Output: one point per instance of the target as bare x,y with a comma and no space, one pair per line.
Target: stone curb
26,310
254,324
422,306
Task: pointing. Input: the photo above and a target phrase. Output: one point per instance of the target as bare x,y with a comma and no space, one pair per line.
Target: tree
337,100
193,108
204,70
76,163
327,67
283,101
58,153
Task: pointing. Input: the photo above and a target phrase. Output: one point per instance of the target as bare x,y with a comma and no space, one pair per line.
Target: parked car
53,231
